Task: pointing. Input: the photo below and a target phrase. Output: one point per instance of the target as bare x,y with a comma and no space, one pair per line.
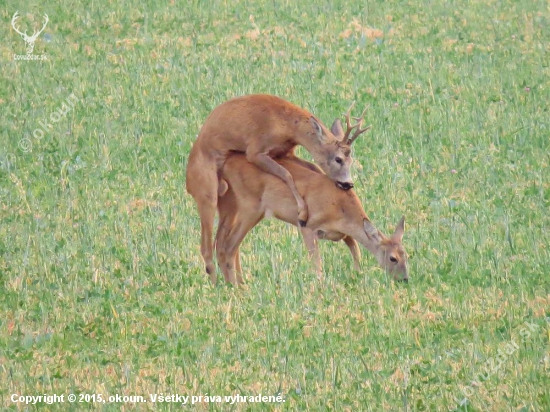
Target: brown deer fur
264,128
248,195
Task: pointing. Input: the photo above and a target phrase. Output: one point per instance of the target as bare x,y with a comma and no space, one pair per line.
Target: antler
36,34
349,127
13,20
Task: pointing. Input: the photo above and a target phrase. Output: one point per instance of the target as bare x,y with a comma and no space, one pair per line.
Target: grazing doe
263,127
248,195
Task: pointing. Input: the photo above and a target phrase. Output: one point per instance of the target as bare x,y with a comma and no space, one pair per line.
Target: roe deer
264,127
247,195
228,209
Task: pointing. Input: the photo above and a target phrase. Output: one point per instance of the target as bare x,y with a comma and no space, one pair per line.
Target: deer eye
339,160
393,259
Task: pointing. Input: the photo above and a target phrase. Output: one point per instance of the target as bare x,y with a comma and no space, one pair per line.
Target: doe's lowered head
389,251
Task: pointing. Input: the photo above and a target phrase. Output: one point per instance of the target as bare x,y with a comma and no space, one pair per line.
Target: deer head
28,39
389,251
339,160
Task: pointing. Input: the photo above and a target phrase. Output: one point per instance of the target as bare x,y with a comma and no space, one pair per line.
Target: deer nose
344,185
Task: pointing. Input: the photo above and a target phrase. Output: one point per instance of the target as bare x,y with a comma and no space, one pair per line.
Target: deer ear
337,129
399,230
372,233
317,129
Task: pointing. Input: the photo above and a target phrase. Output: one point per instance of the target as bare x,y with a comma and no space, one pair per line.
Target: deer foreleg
355,251
310,239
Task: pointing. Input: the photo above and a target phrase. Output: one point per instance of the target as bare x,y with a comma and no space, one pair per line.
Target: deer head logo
29,39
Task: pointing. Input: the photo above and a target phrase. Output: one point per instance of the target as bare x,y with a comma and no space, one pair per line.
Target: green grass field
102,287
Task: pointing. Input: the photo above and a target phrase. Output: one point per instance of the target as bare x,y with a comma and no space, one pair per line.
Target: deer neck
351,222
308,143
368,244
306,137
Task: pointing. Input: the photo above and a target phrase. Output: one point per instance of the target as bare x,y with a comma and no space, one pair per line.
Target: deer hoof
302,223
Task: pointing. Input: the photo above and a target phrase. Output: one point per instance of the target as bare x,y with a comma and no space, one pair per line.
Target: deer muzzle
345,185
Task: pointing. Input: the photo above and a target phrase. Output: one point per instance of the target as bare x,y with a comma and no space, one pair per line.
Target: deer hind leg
207,213
224,227
238,267
355,251
227,211
267,164
202,184
228,256
229,223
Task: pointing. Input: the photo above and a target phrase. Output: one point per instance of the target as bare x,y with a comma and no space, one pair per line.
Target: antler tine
357,133
13,21
349,127
357,126
47,19
360,118
359,130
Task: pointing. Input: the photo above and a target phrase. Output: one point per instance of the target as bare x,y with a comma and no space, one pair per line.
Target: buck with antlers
265,128
247,195
30,40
